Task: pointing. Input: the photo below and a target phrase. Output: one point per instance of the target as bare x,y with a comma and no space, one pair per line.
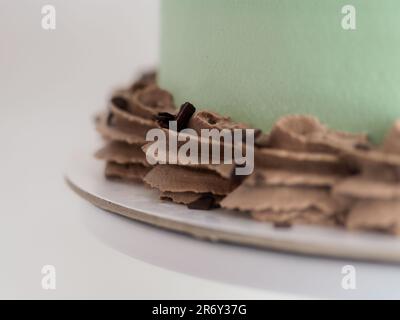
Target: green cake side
256,60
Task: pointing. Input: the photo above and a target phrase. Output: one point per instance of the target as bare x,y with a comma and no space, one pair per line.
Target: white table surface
51,83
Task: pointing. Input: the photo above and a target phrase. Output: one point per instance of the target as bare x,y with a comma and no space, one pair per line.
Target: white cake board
135,201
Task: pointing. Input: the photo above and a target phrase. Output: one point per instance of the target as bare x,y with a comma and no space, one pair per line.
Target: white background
51,84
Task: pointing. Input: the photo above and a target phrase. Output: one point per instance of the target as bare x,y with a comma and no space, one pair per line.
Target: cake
320,101
257,60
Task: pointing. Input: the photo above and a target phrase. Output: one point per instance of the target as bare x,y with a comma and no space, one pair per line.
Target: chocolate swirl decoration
125,124
307,173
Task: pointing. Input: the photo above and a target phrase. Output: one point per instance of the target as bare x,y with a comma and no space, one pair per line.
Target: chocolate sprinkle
163,119
182,118
120,102
185,113
205,202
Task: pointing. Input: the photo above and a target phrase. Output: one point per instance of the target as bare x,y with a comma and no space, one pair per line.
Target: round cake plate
85,176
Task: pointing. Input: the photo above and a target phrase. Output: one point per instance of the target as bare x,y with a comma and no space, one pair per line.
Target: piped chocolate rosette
195,184
373,196
124,126
296,169
305,172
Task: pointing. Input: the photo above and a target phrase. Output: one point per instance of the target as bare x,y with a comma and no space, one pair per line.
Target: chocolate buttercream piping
173,178
144,81
125,126
126,172
306,133
135,136
122,153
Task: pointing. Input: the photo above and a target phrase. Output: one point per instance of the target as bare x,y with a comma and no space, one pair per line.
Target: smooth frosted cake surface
256,60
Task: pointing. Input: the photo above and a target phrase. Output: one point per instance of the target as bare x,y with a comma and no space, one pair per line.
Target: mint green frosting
256,60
